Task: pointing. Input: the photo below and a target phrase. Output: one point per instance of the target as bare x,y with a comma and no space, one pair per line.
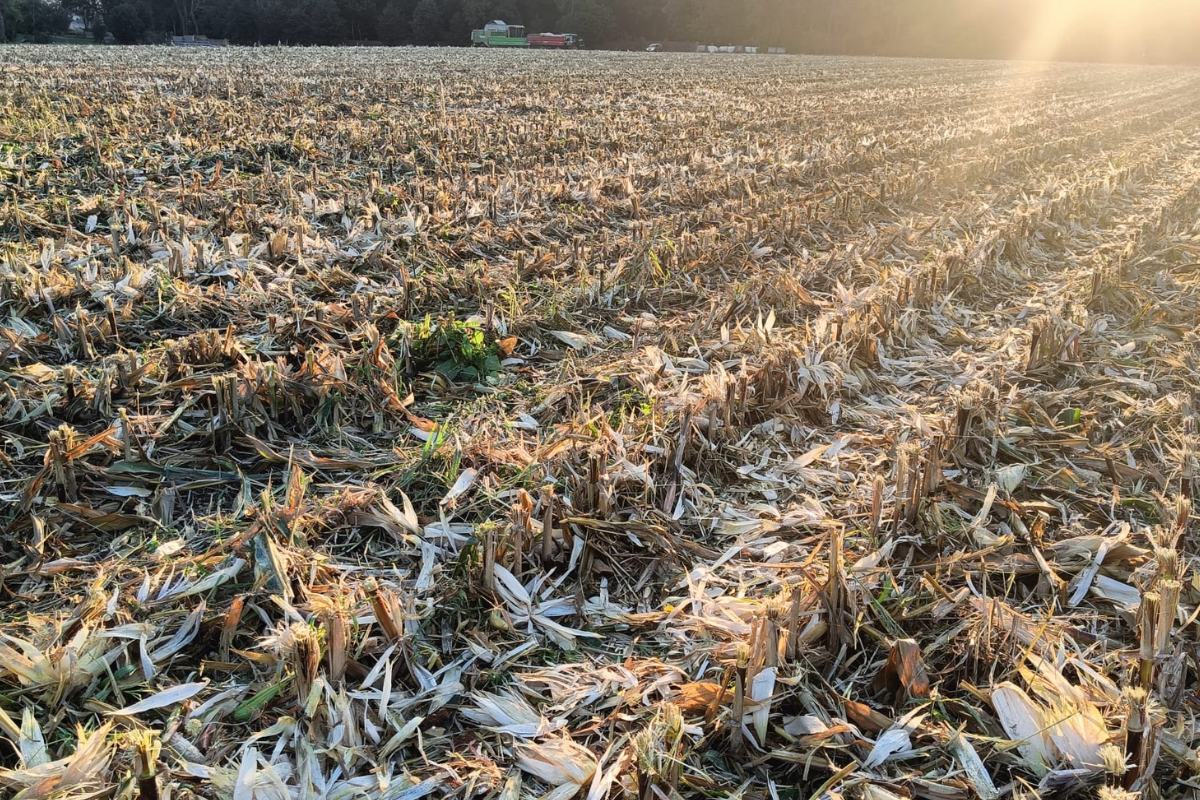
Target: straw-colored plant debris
417,423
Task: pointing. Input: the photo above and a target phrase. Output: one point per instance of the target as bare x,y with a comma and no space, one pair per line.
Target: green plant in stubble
457,349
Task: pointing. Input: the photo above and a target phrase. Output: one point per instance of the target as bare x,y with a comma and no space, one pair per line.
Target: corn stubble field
431,423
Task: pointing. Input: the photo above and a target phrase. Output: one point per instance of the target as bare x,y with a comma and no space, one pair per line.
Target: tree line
1112,30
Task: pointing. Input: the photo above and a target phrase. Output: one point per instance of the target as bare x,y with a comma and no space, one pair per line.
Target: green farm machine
499,33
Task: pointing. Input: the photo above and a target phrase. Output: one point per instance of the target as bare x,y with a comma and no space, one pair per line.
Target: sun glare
1117,30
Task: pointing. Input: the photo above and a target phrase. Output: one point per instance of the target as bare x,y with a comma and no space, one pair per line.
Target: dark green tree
591,19
395,22
429,21
88,10
228,19
272,21
314,22
637,20
537,15
360,17
42,17
185,20
476,13
127,23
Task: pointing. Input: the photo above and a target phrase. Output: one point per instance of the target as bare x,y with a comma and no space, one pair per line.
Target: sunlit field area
403,423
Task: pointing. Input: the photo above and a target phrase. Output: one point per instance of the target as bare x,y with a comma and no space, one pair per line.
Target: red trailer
557,41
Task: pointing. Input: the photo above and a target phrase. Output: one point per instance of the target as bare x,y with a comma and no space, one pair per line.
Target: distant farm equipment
730,48
702,47
197,41
557,41
499,33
